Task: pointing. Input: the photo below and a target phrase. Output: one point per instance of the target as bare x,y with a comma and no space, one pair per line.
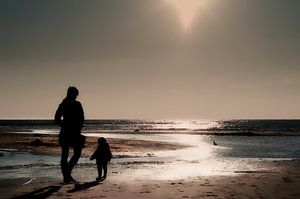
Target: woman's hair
72,92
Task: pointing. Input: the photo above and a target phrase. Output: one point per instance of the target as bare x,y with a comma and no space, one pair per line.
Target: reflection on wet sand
199,157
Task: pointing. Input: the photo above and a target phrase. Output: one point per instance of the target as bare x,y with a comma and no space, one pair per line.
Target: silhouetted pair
70,136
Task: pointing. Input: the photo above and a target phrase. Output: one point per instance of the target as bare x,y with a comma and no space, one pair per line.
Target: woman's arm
58,115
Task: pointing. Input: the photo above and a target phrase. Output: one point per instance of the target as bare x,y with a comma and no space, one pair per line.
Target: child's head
101,141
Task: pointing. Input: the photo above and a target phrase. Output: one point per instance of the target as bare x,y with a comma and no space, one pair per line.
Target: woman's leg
74,159
64,161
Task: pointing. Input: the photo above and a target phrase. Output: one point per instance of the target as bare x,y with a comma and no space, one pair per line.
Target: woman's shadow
47,191
40,193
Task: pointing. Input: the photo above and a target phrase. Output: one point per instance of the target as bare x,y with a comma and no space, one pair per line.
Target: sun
187,10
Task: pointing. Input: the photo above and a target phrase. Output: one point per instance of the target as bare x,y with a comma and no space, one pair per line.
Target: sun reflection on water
191,125
197,160
201,158
198,150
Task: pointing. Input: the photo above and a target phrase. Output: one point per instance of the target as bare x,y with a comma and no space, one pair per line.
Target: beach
282,184
159,99
143,167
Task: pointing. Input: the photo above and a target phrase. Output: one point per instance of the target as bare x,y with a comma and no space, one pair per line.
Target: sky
151,59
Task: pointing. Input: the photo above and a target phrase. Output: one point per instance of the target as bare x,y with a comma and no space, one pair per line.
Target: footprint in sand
287,180
145,192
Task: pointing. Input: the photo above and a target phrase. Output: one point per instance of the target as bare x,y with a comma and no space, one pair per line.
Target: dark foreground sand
282,182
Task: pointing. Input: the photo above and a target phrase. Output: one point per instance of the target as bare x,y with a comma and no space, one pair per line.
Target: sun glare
187,10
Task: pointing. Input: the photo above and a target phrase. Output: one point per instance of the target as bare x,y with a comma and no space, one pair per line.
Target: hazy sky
151,59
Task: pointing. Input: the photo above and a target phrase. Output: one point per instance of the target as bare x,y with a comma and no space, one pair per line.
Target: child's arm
93,156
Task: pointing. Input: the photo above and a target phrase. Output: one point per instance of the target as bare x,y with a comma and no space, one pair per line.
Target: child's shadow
86,185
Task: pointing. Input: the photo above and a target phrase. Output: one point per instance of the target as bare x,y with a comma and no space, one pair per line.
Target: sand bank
50,144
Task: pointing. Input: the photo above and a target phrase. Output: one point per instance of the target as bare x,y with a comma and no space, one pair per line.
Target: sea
226,127
216,147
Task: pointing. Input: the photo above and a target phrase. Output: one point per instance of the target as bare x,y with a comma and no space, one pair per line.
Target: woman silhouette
70,135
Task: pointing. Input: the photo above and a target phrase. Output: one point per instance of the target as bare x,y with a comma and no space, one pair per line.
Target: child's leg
99,167
104,164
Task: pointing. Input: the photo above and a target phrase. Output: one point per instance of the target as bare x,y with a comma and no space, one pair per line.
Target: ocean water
240,146
235,127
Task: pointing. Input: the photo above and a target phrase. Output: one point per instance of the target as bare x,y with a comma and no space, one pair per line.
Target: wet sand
281,180
50,144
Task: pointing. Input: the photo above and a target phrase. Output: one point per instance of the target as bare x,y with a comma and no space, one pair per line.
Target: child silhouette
103,156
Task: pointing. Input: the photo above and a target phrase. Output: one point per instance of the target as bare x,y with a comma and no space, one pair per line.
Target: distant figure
215,144
70,134
103,156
